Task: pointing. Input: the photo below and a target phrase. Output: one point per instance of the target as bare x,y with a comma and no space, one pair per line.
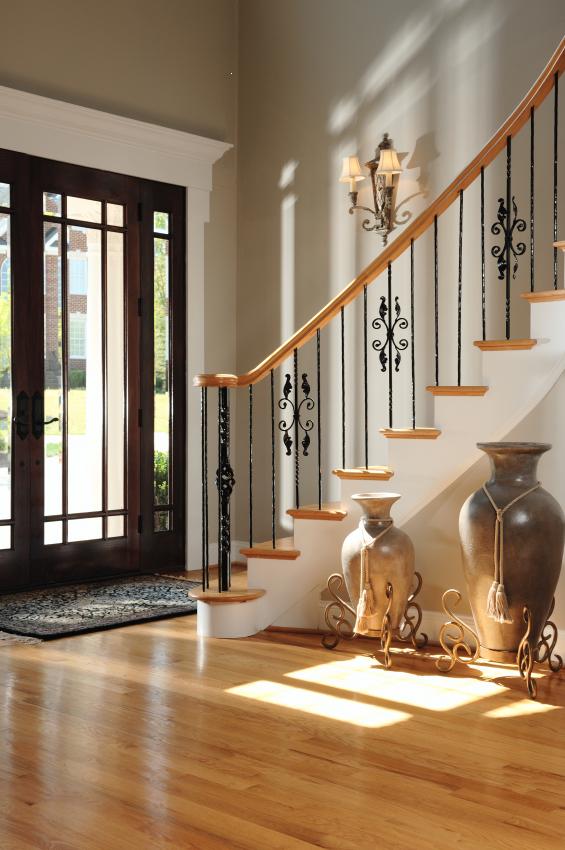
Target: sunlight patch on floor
522,708
322,705
433,692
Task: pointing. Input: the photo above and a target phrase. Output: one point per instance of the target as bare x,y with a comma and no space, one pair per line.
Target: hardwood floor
148,737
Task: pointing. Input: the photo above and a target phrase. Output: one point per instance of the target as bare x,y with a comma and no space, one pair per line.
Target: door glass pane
4,194
5,537
53,369
161,388
83,209
160,222
84,364
85,529
115,215
115,526
53,533
162,521
115,369
5,370
52,204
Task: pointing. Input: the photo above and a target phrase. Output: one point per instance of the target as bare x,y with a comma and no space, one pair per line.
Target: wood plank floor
148,737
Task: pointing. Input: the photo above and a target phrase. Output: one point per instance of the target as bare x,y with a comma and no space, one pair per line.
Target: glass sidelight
5,369
84,371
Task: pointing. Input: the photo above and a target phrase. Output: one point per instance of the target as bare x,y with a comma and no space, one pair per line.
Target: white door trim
41,126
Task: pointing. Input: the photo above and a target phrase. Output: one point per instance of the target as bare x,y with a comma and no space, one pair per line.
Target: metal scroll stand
458,649
340,628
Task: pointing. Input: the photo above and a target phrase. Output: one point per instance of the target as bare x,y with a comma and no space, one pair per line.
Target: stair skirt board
457,390
504,344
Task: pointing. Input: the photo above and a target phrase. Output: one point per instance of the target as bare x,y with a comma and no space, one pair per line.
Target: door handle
21,419
37,414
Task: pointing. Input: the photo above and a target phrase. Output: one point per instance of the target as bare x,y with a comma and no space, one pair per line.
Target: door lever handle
38,422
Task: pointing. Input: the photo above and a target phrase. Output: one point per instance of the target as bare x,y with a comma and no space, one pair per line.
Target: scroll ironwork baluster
390,320
506,224
483,267
460,288
555,174
273,471
532,178
365,378
250,466
225,482
412,334
296,454
319,420
342,316
436,300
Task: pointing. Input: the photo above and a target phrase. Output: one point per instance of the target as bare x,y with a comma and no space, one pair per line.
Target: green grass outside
77,410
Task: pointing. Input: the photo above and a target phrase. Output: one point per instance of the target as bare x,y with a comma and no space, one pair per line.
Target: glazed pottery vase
532,547
389,559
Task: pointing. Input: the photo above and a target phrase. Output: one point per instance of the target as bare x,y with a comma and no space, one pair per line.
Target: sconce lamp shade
388,162
351,170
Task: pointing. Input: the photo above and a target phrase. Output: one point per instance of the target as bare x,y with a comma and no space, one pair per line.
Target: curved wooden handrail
511,126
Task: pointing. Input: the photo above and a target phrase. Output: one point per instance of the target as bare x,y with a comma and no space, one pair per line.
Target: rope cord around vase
366,604
497,600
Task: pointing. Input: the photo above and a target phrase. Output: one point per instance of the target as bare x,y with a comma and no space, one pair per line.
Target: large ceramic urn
512,534
372,556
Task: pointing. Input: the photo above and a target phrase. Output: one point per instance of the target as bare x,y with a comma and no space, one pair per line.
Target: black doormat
56,612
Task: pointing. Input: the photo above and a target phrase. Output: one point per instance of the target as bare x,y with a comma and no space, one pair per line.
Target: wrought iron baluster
460,288
318,370
342,312
507,247
436,300
250,466
506,224
225,482
555,143
296,454
483,267
532,177
390,320
365,380
412,334
273,476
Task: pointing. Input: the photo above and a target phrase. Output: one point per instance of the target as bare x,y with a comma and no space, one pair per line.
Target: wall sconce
384,170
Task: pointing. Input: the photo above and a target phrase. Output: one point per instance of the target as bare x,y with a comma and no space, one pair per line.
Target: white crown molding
44,127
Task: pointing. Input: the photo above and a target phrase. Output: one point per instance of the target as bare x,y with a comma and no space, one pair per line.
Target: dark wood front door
92,373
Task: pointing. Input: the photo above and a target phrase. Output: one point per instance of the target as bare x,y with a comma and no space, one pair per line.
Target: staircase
287,576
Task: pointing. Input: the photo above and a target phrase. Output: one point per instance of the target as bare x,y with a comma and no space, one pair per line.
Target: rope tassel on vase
366,607
497,600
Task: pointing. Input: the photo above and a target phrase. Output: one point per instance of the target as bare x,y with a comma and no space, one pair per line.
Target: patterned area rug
56,612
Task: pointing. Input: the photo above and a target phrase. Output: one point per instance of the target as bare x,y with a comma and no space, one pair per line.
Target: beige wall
319,79
172,63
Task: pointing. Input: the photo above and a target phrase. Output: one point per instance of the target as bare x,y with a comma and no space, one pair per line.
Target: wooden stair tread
371,473
331,511
284,550
504,344
544,295
227,597
456,390
560,244
410,433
